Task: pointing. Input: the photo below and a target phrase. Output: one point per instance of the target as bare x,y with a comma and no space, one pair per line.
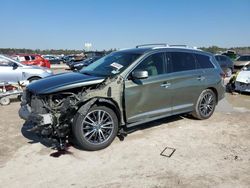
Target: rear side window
180,61
204,61
27,58
222,58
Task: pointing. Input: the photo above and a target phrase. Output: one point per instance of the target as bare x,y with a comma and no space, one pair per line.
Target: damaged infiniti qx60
123,89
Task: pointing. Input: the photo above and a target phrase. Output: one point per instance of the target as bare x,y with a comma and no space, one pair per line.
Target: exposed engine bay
52,115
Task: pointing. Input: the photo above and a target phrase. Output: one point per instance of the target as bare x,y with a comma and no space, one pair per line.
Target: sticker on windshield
116,65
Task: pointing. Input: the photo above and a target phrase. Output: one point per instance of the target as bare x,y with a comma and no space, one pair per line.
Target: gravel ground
209,153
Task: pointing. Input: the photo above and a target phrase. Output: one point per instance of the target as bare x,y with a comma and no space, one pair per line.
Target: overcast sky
68,24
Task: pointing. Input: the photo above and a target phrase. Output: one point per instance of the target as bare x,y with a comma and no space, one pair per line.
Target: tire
91,135
205,105
5,101
32,79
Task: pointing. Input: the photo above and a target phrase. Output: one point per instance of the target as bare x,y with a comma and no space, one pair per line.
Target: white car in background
242,82
14,71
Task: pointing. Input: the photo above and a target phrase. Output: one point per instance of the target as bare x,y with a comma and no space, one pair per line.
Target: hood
62,82
241,63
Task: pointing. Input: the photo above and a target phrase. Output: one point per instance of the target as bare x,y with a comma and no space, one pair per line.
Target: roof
141,49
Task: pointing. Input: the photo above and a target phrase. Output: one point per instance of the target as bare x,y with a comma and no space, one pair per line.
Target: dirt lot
210,153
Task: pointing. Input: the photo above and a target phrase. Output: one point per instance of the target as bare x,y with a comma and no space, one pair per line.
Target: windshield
10,59
111,64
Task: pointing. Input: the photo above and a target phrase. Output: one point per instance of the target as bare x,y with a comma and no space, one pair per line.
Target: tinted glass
244,58
217,58
222,58
111,64
27,58
181,61
204,61
154,64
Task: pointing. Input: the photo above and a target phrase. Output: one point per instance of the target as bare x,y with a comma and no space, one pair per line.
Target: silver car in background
14,71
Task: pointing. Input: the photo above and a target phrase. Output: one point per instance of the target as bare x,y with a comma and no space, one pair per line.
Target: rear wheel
96,130
205,105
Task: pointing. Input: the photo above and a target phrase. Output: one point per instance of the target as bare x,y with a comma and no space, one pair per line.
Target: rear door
148,98
187,82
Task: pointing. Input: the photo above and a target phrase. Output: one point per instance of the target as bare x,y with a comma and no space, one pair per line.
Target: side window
32,57
27,58
222,58
154,64
181,61
5,62
217,58
204,61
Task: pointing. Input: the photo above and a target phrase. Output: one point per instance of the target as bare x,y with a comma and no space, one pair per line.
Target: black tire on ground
98,135
205,105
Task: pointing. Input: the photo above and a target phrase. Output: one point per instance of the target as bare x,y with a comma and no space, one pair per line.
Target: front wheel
205,105
96,130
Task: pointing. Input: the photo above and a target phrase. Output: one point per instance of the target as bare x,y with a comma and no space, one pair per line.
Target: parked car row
32,59
78,65
53,59
229,66
15,71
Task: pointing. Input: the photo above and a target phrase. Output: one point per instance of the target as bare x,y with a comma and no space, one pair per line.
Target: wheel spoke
89,119
101,133
89,132
91,135
89,123
99,116
105,124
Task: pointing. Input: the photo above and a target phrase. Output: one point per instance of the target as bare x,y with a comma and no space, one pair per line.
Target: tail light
223,75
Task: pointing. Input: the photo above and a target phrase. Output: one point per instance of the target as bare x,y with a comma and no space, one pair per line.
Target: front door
150,97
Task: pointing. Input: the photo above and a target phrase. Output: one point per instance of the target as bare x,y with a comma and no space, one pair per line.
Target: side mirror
14,65
140,74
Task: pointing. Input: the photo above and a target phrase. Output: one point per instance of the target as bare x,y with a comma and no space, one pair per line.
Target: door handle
166,85
201,78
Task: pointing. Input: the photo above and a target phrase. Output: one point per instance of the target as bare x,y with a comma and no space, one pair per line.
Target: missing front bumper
41,119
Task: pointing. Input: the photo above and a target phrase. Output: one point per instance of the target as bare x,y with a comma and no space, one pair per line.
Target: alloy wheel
207,104
97,126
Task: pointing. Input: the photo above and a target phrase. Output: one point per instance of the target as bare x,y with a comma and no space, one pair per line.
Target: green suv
123,89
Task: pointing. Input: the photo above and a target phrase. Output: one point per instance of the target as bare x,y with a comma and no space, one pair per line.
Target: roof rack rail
178,45
159,44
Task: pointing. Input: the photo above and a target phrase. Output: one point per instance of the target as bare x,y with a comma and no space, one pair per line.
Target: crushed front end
50,115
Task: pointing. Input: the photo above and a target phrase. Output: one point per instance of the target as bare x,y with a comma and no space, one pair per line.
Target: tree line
11,51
